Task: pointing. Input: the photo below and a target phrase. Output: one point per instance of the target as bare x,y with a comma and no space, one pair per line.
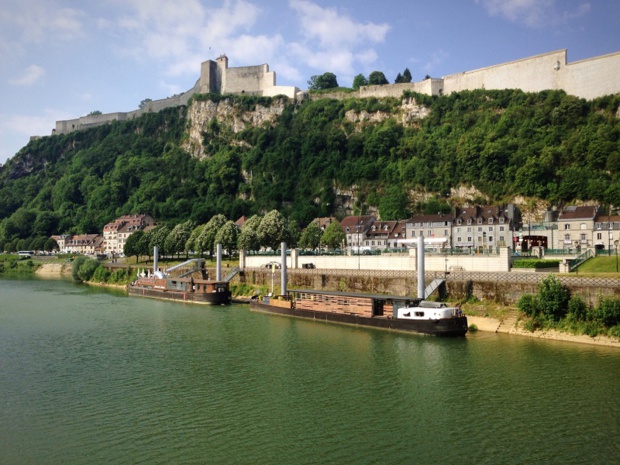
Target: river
91,376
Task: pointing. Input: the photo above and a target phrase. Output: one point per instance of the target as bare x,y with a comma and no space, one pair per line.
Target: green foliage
359,81
133,245
535,263
311,236
101,275
324,81
228,236
504,143
528,304
608,312
333,236
83,268
271,231
553,298
377,78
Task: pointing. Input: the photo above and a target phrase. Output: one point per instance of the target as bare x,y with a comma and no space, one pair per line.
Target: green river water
91,376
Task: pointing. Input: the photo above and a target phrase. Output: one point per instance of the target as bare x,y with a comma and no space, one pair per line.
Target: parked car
273,265
308,265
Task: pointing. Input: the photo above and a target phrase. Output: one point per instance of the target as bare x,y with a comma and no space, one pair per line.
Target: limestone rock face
409,114
230,118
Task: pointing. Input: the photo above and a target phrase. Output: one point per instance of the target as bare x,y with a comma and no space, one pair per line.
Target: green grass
600,265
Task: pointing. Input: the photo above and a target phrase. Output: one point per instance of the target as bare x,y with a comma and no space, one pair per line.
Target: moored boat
374,310
201,291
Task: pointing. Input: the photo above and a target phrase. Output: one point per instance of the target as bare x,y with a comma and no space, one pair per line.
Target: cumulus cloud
533,13
180,36
29,76
32,21
334,41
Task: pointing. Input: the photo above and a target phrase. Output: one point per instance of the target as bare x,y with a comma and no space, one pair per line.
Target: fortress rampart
587,79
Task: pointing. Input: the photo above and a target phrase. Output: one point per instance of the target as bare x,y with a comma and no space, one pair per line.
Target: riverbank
508,325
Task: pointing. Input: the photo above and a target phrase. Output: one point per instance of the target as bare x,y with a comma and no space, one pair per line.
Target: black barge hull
215,298
451,327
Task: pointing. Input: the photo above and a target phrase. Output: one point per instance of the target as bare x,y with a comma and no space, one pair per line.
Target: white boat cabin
427,310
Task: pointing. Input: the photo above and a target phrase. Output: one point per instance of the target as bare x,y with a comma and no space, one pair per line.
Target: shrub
608,312
528,304
553,298
577,309
87,269
534,263
101,275
75,267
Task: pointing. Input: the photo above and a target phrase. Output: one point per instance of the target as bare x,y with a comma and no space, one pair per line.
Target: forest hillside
243,155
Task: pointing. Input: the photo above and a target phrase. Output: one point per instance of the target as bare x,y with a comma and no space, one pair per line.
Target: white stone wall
403,261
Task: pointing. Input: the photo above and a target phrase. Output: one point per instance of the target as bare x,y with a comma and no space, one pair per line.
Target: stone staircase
507,325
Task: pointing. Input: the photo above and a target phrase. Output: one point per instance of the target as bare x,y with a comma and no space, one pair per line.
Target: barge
373,310
182,288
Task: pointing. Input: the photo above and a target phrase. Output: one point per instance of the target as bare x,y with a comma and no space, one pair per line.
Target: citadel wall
588,79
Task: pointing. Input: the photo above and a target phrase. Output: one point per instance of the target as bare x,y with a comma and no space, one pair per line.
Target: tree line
545,145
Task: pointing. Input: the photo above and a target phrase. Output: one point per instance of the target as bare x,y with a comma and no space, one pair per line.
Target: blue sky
65,58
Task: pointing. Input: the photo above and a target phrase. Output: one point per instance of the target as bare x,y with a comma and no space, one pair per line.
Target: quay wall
502,288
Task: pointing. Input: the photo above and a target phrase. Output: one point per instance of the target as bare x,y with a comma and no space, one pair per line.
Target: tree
311,236
193,244
553,298
248,240
394,204
207,238
271,230
293,233
157,238
402,78
324,81
144,103
178,237
377,78
334,236
359,81
132,245
228,236
51,245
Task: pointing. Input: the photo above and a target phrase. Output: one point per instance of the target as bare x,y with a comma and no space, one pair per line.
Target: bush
75,267
608,312
534,263
528,304
101,275
87,269
553,298
577,309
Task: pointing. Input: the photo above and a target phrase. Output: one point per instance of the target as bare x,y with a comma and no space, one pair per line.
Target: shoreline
484,324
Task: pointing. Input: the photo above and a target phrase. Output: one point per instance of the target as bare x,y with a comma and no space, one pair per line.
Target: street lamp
616,247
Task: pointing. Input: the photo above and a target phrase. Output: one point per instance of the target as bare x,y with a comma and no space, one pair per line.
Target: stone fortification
588,79
215,77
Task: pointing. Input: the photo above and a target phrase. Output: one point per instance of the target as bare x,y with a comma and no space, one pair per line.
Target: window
479,228
599,236
501,228
490,220
567,226
469,221
479,220
501,238
490,228
468,229
582,226
458,230
567,237
490,238
458,239
583,237
468,238
501,221
445,232
430,232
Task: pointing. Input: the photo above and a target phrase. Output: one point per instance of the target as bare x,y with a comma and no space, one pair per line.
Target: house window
583,237
490,238
458,230
490,220
468,229
458,239
490,228
479,220
567,226
430,232
468,238
459,221
582,226
501,221
501,238
445,232
479,228
599,236
469,221
501,228
567,237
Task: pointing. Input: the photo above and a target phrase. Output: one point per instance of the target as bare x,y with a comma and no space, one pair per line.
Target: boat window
419,313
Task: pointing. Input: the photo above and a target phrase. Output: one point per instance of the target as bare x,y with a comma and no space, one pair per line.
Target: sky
61,59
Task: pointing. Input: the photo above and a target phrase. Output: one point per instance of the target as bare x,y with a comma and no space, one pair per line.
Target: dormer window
347,229
479,220
459,221
469,221
490,220
501,221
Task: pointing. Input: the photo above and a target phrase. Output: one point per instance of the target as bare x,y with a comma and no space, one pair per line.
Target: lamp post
616,247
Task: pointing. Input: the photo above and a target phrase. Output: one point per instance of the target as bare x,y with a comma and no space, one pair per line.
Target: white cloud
335,42
436,59
32,21
533,13
30,75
